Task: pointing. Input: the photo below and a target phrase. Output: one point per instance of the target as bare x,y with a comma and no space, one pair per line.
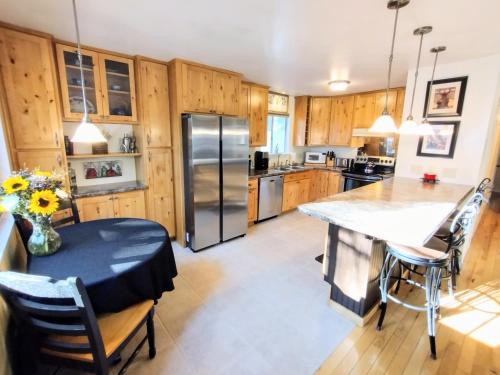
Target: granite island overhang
401,210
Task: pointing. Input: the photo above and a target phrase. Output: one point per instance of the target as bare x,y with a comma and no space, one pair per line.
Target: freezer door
234,176
202,179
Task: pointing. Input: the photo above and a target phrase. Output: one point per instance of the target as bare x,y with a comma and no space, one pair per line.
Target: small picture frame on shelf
442,143
445,98
100,148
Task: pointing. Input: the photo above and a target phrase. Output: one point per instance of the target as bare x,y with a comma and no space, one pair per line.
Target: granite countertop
117,187
402,210
275,172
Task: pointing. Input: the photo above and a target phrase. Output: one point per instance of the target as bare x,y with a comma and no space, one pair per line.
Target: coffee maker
261,160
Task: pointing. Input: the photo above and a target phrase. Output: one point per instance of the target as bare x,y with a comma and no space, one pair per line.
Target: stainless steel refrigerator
215,178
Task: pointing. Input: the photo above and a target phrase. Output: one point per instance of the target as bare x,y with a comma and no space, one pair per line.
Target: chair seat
115,328
422,256
437,244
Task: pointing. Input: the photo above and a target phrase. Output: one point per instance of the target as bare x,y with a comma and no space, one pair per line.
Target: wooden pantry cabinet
209,91
126,205
109,85
253,199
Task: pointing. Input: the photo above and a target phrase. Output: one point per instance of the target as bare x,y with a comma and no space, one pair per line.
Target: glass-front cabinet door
118,86
71,89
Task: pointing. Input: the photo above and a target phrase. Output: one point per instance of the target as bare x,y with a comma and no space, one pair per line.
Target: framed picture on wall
445,98
441,144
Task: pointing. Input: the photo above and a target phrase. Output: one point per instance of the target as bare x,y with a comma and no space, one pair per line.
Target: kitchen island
401,210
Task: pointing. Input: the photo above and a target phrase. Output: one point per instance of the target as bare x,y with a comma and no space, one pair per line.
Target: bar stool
433,261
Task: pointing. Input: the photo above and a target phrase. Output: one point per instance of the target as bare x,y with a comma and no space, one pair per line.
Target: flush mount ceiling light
385,123
86,131
425,128
339,85
409,126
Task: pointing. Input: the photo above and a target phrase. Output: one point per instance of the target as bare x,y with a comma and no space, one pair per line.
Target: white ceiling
295,46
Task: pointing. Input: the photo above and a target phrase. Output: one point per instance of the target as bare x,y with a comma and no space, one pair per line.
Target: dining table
121,261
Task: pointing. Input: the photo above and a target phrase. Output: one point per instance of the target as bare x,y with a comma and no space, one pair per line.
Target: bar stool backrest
464,220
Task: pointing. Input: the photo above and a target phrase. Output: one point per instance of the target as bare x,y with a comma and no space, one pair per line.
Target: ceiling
295,46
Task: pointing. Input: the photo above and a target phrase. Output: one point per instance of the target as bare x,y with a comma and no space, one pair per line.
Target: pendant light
425,127
409,126
86,131
385,123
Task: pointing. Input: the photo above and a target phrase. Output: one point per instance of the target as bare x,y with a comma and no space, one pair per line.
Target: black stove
368,169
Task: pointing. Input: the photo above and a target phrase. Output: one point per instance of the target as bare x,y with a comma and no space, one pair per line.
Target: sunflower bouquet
35,196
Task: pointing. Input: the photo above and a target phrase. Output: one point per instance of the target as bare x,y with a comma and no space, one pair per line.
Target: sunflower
42,173
14,184
43,202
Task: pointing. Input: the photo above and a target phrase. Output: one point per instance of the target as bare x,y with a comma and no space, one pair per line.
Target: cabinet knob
57,139
59,160
148,138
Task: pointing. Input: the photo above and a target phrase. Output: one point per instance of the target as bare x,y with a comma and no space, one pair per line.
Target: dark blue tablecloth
120,261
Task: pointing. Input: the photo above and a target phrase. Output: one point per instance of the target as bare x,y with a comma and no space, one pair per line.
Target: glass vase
44,240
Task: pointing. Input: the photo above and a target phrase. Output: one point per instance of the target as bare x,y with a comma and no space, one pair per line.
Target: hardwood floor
468,336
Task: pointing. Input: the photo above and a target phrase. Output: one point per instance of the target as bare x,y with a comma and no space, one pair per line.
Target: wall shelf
111,154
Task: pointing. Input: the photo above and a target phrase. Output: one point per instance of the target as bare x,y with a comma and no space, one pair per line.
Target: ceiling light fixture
86,131
339,85
385,123
409,126
425,127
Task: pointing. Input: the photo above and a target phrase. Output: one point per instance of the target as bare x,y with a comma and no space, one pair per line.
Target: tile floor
254,305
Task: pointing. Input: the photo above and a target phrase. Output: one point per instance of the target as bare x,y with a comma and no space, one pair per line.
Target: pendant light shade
409,126
86,131
385,123
425,128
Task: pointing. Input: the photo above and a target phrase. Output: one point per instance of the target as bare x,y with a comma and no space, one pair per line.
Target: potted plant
35,196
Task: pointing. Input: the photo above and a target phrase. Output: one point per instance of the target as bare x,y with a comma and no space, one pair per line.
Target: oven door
351,182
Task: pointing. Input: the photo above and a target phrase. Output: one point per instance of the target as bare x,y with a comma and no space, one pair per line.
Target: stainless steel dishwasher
270,196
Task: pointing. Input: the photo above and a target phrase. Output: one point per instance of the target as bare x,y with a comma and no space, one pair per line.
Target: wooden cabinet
95,208
109,85
210,91
319,184
153,103
296,189
301,120
45,160
400,102
319,126
341,121
226,93
364,110
129,204
253,199
334,187
244,101
258,115
161,189
29,79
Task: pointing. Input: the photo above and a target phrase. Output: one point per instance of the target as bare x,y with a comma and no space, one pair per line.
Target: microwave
315,158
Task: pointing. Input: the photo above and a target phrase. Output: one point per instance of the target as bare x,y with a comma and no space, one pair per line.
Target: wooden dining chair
68,333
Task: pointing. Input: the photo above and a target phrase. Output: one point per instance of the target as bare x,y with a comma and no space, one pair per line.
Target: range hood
363,132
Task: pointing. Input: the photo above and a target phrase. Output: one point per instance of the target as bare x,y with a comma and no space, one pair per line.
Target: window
277,134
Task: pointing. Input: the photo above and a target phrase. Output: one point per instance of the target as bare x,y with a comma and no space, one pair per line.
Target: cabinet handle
57,139
98,210
59,160
111,198
149,155
148,138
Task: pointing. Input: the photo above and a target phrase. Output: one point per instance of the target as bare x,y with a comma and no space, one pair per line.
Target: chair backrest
464,219
54,308
59,218
484,185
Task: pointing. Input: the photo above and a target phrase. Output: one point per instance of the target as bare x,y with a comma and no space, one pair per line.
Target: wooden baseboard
360,321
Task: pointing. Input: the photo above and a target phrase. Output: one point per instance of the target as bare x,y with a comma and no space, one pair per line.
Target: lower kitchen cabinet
334,183
319,184
253,199
129,204
296,190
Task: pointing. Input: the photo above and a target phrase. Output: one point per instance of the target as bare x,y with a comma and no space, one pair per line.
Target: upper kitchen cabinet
31,95
208,90
118,88
301,120
71,90
319,126
226,93
109,85
369,106
341,121
380,104
244,101
258,115
153,103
